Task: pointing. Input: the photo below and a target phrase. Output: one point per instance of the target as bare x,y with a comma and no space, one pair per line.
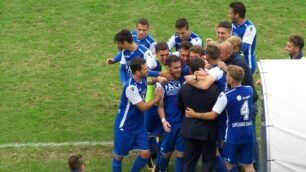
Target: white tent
284,115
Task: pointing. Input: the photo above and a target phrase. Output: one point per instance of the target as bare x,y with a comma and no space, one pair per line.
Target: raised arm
203,80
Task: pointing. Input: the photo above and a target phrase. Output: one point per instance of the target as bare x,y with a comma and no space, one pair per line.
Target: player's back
239,120
129,117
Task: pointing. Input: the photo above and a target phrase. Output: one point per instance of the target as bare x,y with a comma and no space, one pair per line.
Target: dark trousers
193,151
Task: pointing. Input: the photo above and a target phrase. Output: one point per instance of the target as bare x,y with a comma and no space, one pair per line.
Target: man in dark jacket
199,134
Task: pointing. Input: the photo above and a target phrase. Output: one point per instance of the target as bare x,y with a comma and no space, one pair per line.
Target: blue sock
163,164
234,169
219,162
117,165
159,155
139,163
179,162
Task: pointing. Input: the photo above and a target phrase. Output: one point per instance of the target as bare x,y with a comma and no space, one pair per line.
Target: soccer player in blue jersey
184,56
141,36
294,47
228,56
183,33
129,131
151,119
171,116
246,30
223,31
130,50
239,137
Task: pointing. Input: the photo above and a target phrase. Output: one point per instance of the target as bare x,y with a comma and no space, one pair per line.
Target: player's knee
145,154
249,168
228,166
179,154
118,158
166,155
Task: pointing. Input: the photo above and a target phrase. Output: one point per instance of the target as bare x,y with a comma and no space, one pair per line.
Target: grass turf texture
55,86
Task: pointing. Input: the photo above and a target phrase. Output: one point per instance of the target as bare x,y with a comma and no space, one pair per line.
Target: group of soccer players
152,74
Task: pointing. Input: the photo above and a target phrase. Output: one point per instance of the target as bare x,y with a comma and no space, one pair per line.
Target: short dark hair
136,64
161,46
197,49
75,162
186,45
297,41
181,23
123,35
143,21
238,8
172,59
195,64
212,50
225,24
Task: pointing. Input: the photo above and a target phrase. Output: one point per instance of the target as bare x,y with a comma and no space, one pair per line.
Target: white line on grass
54,144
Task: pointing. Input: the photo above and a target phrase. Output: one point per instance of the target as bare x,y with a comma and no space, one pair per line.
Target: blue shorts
245,152
172,140
124,141
152,122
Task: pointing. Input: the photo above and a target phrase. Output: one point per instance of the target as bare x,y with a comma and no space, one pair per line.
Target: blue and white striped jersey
219,78
148,41
129,117
171,88
247,33
127,56
176,42
238,103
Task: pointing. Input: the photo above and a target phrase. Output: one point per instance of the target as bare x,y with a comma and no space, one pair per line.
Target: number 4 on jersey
244,110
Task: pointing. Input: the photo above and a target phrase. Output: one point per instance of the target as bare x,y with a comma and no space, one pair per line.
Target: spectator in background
75,163
294,47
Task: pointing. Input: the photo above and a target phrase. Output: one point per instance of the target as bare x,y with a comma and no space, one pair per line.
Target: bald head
226,50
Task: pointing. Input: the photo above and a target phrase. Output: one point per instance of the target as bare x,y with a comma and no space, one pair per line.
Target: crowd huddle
192,97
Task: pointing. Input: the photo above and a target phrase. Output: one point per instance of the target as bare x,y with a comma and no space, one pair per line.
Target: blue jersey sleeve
117,58
153,73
